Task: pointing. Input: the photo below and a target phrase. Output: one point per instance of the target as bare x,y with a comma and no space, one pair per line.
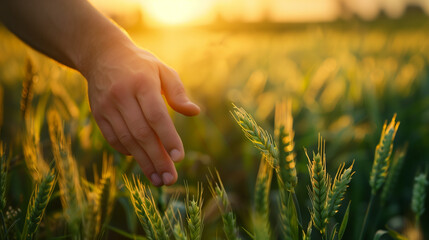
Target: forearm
70,31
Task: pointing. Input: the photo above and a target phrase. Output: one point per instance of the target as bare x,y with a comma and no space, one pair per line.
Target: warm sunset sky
170,12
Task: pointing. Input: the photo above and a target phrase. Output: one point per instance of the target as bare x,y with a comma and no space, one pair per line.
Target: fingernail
167,178
175,155
156,180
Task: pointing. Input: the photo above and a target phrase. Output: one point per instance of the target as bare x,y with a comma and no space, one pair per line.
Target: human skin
125,82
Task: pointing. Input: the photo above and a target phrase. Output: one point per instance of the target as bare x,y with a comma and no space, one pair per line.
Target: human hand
125,88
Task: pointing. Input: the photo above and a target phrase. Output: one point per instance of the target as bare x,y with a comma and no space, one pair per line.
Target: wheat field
304,128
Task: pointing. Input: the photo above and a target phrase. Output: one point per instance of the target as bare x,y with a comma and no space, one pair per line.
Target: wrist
102,46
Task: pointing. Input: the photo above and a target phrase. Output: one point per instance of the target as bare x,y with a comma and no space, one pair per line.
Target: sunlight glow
174,12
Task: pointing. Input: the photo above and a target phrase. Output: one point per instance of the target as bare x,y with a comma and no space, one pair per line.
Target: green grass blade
344,223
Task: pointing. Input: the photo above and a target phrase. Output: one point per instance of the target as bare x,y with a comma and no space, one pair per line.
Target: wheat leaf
344,223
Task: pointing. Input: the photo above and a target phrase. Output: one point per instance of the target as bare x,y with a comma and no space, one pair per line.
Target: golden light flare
174,12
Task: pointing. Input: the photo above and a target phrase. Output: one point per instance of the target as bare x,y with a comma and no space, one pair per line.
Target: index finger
156,113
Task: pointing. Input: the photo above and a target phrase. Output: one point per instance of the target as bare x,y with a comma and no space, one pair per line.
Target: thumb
175,93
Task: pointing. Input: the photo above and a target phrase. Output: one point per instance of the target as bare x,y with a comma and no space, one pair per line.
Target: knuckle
110,138
144,83
126,139
155,117
105,103
142,133
116,91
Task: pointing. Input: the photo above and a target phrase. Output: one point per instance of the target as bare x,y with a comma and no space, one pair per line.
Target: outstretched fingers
156,114
148,140
124,136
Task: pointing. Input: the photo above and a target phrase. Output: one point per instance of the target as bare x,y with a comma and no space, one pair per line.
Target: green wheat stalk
138,204
380,167
288,216
261,222
319,189
392,177
307,235
228,217
27,89
175,222
153,214
105,194
32,153
285,135
194,216
287,174
339,188
37,205
145,208
260,138
383,151
418,196
90,218
72,197
179,232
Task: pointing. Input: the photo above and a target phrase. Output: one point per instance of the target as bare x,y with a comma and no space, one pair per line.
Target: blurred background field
345,78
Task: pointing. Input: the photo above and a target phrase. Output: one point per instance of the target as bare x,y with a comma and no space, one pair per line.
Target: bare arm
124,82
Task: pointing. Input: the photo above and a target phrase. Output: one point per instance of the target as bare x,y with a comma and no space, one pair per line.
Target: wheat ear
194,215
153,214
307,235
285,135
145,207
261,222
178,232
288,216
105,193
175,222
90,230
32,153
380,167
260,138
339,188
228,217
419,195
27,89
383,151
37,205
72,197
320,187
138,204
395,169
